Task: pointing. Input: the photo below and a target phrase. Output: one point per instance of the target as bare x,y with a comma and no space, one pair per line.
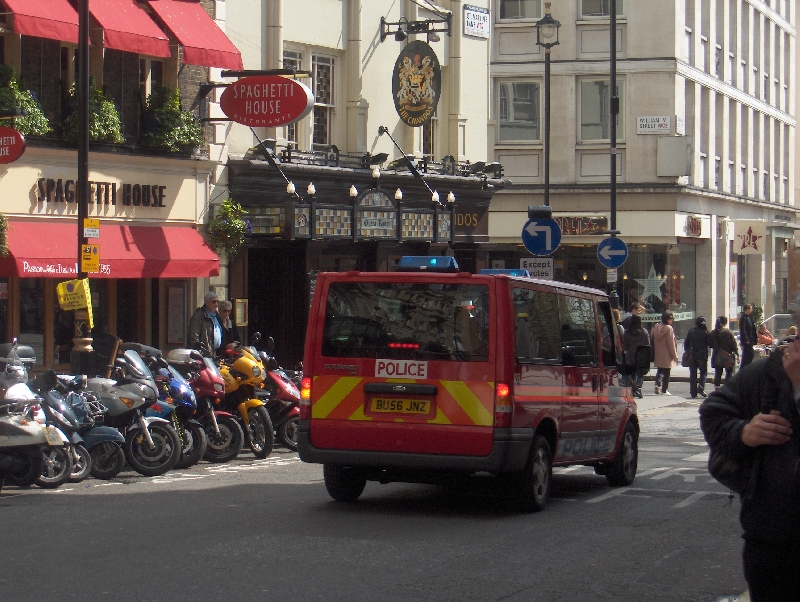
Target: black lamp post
547,37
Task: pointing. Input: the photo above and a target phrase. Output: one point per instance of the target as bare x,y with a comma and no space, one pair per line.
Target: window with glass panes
323,74
598,8
428,138
596,110
518,111
292,59
151,76
520,9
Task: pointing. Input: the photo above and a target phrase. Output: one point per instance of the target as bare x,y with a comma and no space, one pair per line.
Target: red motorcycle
225,436
281,397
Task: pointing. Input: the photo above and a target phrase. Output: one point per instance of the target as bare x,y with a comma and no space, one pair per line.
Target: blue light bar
423,263
524,273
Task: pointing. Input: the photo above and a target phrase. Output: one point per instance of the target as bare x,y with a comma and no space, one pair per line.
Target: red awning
127,27
203,42
49,250
52,19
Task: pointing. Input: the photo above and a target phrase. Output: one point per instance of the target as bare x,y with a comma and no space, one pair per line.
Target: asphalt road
267,530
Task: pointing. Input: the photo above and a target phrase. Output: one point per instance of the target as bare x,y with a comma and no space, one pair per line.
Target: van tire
534,482
344,484
621,470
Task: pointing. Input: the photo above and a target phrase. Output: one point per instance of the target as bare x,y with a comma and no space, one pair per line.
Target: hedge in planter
167,126
227,231
11,97
104,121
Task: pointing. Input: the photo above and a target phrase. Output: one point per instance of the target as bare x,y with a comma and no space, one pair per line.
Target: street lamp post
547,37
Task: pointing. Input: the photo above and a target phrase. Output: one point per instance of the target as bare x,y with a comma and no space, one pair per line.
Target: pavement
680,374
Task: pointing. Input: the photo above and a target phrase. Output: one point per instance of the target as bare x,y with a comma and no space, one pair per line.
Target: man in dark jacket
753,420
205,327
747,334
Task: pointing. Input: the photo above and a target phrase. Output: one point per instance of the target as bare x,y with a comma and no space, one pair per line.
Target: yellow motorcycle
243,372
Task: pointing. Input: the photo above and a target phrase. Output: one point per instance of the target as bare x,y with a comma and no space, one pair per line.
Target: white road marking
691,499
682,472
696,458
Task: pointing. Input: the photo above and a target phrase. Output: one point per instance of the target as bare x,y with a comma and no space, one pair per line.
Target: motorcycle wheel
260,434
81,464
227,445
57,467
162,457
34,461
194,447
287,433
107,460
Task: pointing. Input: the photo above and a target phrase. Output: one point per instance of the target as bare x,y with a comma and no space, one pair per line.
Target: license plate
401,406
52,436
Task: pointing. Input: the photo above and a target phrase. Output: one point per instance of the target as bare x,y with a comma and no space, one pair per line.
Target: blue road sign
612,252
541,236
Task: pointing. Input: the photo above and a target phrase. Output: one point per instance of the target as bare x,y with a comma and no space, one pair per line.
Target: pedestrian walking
205,327
724,351
635,336
752,427
637,309
747,334
665,351
230,333
697,342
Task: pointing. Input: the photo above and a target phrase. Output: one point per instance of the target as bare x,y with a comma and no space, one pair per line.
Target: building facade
154,265
705,138
350,52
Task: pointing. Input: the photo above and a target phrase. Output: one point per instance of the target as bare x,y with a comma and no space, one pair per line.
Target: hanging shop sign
12,144
416,83
749,237
266,101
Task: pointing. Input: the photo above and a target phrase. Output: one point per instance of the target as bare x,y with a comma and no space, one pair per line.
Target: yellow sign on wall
90,259
75,294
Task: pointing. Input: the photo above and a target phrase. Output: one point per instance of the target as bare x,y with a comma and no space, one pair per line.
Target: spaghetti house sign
266,100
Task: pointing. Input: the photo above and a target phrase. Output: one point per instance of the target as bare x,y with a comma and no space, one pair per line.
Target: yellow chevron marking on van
331,398
359,414
468,402
440,418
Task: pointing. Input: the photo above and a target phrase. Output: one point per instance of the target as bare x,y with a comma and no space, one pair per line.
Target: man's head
637,308
748,309
210,301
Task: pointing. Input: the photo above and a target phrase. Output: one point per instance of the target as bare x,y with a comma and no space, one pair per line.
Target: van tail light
502,405
305,398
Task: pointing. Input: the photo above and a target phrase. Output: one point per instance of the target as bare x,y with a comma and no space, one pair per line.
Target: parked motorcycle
225,436
152,446
281,397
243,373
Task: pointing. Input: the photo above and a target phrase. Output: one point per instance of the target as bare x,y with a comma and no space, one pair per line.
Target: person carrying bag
724,351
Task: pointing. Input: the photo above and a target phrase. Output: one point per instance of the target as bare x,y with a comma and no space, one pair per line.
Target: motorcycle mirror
270,344
256,338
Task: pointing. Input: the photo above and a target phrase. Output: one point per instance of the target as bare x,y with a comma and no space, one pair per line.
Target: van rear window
407,320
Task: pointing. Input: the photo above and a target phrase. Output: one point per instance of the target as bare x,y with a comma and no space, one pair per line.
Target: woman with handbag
665,351
724,351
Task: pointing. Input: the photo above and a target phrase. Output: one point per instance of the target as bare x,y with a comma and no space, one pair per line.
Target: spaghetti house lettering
49,190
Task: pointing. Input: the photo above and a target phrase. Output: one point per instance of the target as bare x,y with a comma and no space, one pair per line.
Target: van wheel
622,469
534,482
344,484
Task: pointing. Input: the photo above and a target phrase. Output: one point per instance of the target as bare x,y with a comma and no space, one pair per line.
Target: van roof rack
427,263
524,273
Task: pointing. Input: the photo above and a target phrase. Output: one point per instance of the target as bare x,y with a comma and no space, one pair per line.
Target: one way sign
612,252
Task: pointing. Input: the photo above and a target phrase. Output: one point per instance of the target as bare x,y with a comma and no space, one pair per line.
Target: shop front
151,253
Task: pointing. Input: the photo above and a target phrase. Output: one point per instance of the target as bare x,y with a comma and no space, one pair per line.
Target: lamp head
290,188
547,29
451,198
311,188
353,191
400,35
376,172
398,195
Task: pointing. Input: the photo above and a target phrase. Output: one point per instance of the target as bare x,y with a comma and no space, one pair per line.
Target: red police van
427,373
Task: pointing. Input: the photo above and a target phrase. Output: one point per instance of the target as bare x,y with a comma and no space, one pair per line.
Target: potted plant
11,97
167,126
227,231
104,122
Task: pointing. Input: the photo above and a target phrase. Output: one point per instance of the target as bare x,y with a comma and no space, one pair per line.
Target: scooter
243,373
225,436
282,398
152,446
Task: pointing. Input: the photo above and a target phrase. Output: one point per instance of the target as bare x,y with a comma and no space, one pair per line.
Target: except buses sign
266,101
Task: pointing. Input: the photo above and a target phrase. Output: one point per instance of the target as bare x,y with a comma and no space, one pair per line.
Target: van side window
537,327
578,331
610,334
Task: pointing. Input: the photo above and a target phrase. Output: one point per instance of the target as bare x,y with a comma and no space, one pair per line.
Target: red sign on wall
266,101
12,144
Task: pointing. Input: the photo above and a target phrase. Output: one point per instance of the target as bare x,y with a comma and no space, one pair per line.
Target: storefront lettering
693,226
575,226
49,190
470,220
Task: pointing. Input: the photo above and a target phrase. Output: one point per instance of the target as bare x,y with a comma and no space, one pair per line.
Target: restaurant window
519,111
322,77
31,315
596,110
520,9
69,66
151,76
599,8
428,138
292,59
